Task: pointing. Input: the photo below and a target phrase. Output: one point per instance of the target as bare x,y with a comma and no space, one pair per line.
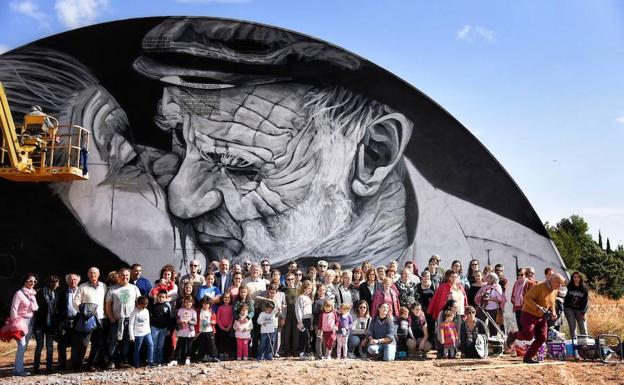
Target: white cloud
29,8
472,33
77,13
3,48
620,119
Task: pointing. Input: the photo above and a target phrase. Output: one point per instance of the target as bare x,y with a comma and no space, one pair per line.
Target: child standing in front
161,318
186,321
303,312
242,328
225,319
328,324
139,331
448,334
266,320
345,324
404,332
207,322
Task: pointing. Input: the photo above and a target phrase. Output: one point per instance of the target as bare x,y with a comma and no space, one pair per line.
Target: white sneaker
172,363
302,356
187,362
351,356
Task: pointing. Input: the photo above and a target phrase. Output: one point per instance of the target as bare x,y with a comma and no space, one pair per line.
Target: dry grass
605,315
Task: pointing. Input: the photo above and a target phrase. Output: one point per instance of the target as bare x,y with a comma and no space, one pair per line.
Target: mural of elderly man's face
264,172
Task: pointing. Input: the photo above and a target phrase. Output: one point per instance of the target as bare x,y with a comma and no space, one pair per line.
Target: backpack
86,318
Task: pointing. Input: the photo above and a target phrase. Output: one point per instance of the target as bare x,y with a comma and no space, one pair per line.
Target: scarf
30,294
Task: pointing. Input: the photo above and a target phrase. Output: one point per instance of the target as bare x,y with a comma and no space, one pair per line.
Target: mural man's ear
378,153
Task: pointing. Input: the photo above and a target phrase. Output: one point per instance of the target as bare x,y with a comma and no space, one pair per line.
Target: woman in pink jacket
23,308
388,294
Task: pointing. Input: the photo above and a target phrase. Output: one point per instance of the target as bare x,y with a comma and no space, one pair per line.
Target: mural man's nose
193,191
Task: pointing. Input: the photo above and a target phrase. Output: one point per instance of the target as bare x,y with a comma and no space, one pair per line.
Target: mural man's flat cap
197,53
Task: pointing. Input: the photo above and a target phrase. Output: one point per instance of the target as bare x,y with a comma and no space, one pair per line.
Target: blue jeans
387,350
138,342
266,350
21,348
354,344
158,338
118,348
40,337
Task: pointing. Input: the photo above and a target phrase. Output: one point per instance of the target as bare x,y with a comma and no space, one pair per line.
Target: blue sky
539,83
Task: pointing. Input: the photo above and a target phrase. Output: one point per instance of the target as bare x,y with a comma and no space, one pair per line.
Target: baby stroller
600,348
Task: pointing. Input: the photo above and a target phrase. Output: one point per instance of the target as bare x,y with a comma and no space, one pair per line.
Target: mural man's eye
233,164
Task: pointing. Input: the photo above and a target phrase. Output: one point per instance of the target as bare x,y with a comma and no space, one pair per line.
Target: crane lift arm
13,146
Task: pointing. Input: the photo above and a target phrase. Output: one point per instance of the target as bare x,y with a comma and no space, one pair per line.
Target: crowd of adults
240,311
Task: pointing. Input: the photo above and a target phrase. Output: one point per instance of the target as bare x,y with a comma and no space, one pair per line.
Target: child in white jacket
139,331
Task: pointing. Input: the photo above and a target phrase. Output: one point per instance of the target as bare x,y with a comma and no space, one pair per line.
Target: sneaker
245,358
172,363
351,356
215,359
238,358
302,355
187,361
110,366
510,340
528,360
277,356
22,374
153,365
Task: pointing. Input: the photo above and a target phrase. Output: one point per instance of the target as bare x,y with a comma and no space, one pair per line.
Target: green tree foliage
604,269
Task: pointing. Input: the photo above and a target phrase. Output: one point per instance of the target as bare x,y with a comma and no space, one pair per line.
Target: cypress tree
600,240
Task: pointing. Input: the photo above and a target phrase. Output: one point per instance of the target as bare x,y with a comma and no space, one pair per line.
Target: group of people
249,310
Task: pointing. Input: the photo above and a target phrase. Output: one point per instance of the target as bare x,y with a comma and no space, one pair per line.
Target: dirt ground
343,372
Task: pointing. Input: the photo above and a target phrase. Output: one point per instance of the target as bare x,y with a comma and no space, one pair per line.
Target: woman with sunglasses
23,307
368,288
517,295
472,329
358,335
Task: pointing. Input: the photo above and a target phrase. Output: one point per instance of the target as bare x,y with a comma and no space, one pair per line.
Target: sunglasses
290,279
194,265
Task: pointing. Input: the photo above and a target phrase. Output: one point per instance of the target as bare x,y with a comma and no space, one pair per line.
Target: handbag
481,345
500,317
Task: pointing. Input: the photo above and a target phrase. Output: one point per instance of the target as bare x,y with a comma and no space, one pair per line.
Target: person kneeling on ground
381,334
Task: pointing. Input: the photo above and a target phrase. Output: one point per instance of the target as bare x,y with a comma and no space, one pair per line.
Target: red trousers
532,326
328,340
242,347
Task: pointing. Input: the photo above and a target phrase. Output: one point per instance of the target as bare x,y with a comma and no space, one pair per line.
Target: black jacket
365,294
161,316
